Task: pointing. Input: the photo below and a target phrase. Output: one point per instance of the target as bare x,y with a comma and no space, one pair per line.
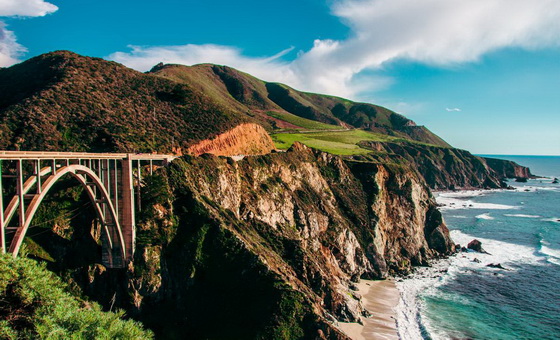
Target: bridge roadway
111,180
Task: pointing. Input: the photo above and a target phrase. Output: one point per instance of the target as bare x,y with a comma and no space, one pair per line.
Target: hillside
280,104
64,101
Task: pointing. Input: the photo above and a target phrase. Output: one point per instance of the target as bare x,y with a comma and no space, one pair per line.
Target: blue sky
483,74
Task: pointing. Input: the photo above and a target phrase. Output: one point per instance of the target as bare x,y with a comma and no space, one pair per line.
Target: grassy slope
302,123
64,101
335,142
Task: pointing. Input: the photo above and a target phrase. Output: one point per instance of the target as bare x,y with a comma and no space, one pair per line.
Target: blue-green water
462,298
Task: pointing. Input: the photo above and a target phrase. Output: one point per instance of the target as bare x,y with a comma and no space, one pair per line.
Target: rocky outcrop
508,169
446,168
244,139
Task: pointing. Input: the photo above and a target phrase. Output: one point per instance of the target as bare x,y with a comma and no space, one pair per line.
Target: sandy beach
380,298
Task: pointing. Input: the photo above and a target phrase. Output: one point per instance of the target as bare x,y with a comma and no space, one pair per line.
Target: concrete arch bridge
108,179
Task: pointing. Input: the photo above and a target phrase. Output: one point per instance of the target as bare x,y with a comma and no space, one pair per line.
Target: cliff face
270,245
277,239
447,168
244,139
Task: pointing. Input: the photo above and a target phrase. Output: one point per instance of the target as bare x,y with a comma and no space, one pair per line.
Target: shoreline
380,298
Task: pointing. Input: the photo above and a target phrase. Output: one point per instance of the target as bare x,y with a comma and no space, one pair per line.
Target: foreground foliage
34,304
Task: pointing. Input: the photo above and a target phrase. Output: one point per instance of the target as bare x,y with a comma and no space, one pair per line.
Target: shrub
34,303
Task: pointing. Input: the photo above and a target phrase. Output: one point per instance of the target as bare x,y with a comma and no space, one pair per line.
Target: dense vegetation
63,101
34,303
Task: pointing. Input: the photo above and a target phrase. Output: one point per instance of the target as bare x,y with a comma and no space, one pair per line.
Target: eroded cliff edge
270,245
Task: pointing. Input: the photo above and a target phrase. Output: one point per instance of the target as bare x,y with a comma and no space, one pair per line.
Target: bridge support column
2,230
127,216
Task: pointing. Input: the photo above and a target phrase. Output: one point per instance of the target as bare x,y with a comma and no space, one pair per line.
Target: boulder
495,265
476,245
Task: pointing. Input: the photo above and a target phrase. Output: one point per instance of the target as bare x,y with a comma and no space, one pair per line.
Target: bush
34,303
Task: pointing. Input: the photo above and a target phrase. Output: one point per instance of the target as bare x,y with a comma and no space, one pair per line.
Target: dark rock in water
458,248
476,245
495,265
521,179
476,260
464,250
555,181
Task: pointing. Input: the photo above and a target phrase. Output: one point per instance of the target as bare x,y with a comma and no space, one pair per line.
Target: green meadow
335,142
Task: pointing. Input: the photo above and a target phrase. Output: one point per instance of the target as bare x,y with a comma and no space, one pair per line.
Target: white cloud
455,109
435,32
26,8
144,58
9,48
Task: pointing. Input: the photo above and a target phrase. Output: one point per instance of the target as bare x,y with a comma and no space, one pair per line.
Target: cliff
269,245
446,168
508,169
244,139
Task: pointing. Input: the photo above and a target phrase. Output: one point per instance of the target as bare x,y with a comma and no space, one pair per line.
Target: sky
482,74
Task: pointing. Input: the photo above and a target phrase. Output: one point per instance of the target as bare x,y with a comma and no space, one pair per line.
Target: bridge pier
128,217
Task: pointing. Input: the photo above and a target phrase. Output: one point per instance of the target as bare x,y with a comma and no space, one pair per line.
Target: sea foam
522,215
459,200
485,216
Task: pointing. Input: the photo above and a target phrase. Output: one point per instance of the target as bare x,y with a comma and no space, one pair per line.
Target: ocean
461,297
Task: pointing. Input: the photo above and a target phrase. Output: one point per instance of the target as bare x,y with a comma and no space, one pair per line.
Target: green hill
277,104
64,101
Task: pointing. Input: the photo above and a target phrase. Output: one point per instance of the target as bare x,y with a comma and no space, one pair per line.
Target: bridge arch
97,193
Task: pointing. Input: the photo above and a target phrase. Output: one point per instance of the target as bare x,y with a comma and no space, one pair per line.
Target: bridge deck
82,155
